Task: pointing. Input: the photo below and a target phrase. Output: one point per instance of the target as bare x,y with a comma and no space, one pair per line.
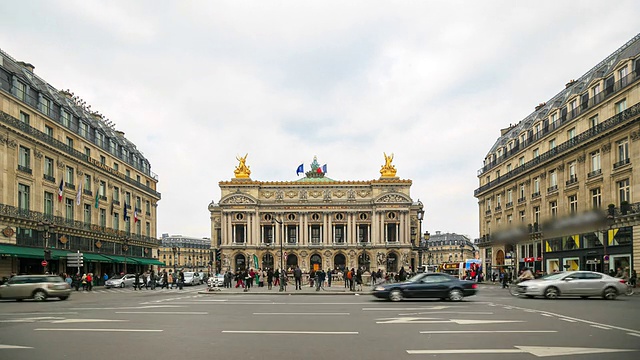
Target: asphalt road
172,324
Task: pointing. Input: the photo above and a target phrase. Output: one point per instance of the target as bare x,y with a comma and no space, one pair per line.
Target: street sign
44,263
75,259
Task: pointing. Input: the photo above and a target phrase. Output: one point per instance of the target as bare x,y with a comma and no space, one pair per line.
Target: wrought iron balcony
553,188
522,200
487,212
594,173
25,169
116,202
498,208
87,192
621,163
49,178
69,186
535,195
509,205
572,180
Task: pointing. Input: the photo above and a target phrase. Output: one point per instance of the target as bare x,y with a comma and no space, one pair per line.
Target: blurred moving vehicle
36,287
191,278
427,285
216,280
121,281
573,283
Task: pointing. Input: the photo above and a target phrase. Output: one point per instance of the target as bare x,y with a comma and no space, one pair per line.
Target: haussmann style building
316,222
558,190
70,182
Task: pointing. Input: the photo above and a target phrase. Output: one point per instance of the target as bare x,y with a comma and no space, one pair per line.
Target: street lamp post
44,227
282,272
420,239
125,249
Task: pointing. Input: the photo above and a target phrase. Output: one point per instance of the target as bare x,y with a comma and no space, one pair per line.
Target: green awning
145,261
121,259
21,251
96,258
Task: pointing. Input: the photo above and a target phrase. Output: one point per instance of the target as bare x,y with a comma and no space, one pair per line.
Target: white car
216,281
192,278
573,283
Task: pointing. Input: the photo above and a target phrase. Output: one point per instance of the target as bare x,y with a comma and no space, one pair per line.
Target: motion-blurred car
191,278
573,283
427,285
121,281
36,287
216,281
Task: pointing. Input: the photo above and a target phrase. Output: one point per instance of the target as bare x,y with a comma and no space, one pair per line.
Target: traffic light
47,254
218,255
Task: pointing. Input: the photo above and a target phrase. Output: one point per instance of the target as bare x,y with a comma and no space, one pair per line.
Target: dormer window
622,75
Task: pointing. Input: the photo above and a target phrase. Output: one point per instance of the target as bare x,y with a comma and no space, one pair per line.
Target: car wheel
64,298
39,295
551,293
456,295
610,293
122,285
395,295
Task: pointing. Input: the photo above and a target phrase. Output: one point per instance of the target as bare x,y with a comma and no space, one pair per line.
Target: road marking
634,334
321,314
449,312
38,313
582,320
538,351
417,320
164,312
30,320
547,315
14,347
485,331
73,321
601,327
412,308
568,320
98,330
130,307
285,332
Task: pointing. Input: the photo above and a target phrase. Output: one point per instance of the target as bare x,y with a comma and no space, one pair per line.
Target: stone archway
392,262
240,262
292,261
339,261
267,261
499,257
315,262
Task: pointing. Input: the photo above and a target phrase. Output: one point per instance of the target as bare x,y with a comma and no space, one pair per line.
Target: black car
427,285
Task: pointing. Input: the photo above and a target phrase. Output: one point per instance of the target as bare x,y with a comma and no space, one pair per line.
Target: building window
103,217
87,151
48,130
521,161
138,179
623,152
595,163
523,217
116,166
553,180
138,203
127,173
536,186
147,206
69,178
48,169
573,204
499,201
87,213
536,153
103,160
596,198
621,106
116,221
572,171
138,228
508,167
116,194
102,188
127,225
23,197
24,117
509,196
553,207
571,134
21,90
509,219
68,205
338,234
45,106
24,163
624,191
127,201
536,214
148,229
48,203
622,75
70,142
552,144
593,121
66,119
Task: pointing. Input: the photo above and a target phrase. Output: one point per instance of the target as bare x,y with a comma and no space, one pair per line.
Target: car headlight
379,288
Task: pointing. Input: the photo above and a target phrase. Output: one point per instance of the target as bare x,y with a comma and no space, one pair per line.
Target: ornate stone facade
315,222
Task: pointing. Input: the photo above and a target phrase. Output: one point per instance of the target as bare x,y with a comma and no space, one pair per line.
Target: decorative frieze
606,148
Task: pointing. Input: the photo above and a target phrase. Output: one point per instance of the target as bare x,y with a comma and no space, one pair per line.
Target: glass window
623,150
66,118
553,207
48,203
573,203
87,182
48,167
69,142
595,161
25,158
621,106
593,121
624,191
48,130
87,213
103,217
596,198
116,221
23,197
70,175
24,117
68,208
21,90
116,193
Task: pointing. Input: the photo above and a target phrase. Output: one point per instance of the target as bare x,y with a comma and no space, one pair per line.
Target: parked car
121,281
191,278
573,283
216,280
36,287
427,285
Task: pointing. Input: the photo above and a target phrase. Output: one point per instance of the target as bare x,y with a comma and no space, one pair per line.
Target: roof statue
242,170
388,170
316,170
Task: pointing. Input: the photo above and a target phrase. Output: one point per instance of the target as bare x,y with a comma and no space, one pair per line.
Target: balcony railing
565,147
487,212
572,180
62,222
498,208
87,192
594,173
553,188
535,195
621,163
49,178
69,186
509,204
25,169
596,99
522,200
116,202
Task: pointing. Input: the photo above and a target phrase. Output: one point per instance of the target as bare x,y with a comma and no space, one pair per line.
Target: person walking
181,280
270,278
276,276
165,280
352,282
329,276
297,276
170,280
152,279
136,281
89,281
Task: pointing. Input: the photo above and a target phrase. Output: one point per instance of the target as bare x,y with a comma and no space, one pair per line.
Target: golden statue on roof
242,170
388,170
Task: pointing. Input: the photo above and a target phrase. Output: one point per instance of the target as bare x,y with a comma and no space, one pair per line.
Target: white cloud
195,83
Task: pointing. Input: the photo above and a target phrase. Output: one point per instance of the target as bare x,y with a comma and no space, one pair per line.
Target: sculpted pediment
393,198
238,199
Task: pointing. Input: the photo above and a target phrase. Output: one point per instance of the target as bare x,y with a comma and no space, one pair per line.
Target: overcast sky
195,83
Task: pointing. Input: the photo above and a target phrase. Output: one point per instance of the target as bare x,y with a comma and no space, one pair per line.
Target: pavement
290,290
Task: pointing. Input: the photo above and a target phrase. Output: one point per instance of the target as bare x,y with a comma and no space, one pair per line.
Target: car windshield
54,279
416,278
553,276
116,277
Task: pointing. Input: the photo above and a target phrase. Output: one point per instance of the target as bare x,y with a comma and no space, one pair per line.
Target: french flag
135,216
60,191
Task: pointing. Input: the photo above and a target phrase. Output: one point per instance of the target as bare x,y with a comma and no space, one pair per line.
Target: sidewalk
306,290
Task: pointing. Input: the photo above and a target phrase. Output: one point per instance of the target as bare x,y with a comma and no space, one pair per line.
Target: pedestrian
634,278
276,276
89,281
263,275
270,278
181,280
247,280
83,280
297,276
68,279
312,276
136,281
329,276
352,280
170,280
145,280
105,277
359,279
152,279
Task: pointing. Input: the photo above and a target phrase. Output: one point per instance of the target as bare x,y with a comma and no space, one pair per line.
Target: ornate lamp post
421,243
282,272
125,250
45,227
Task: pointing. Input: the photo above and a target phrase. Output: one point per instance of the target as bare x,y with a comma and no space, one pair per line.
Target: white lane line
14,347
601,327
634,334
38,313
448,312
583,320
547,315
164,312
320,314
470,351
568,320
99,330
287,332
486,331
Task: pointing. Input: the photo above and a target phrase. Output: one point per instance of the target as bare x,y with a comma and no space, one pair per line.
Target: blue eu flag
300,170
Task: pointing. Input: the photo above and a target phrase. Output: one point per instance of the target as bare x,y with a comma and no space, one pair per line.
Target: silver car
36,287
573,283
120,281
